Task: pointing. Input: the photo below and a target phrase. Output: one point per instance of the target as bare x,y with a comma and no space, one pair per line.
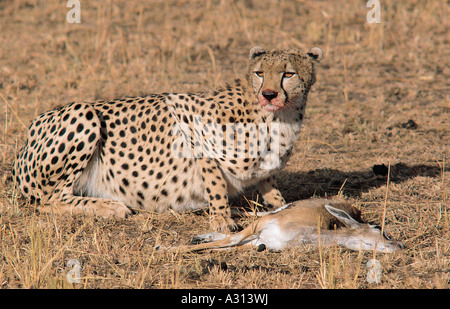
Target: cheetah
179,151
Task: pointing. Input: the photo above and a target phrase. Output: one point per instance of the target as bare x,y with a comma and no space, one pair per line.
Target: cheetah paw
105,209
223,224
112,210
274,203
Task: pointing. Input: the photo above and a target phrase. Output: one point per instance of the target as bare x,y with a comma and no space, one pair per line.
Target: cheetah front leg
217,196
270,193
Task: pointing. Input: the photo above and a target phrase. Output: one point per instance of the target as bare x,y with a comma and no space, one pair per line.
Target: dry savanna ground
382,97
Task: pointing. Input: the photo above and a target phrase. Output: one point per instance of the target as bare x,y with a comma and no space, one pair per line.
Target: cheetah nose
270,94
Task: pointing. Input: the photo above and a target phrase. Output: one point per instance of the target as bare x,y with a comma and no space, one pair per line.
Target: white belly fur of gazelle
304,222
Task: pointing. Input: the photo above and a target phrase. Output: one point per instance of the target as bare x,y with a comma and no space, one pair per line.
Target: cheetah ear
256,52
315,53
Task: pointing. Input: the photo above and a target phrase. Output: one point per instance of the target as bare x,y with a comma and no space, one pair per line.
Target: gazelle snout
397,246
370,241
383,240
387,244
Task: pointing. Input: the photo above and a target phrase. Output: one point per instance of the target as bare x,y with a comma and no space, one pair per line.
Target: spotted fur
108,157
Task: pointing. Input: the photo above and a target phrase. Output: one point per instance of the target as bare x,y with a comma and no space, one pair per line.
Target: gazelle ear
315,53
343,216
256,52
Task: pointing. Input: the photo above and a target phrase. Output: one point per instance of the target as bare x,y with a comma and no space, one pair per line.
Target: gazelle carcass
314,221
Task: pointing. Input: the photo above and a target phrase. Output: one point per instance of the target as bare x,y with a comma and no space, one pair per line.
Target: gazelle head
362,236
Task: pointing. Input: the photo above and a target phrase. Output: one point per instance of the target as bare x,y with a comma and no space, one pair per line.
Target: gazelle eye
288,74
259,74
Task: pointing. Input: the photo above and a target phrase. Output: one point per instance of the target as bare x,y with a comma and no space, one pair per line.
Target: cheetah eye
259,74
288,74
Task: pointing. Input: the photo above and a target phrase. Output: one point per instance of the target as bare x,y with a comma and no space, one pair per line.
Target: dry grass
374,78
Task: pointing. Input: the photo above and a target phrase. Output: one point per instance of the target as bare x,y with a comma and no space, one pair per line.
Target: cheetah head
282,78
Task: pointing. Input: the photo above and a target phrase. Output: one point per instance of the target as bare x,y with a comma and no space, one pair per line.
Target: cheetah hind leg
76,168
88,206
68,203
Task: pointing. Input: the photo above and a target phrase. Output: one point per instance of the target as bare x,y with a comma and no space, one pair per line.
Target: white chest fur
282,138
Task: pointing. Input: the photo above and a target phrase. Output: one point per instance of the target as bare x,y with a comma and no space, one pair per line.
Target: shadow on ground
328,182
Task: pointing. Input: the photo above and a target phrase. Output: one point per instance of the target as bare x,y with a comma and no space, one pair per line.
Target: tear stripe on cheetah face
102,157
280,78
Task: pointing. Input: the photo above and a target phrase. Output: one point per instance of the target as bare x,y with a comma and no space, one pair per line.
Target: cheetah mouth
273,108
270,106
